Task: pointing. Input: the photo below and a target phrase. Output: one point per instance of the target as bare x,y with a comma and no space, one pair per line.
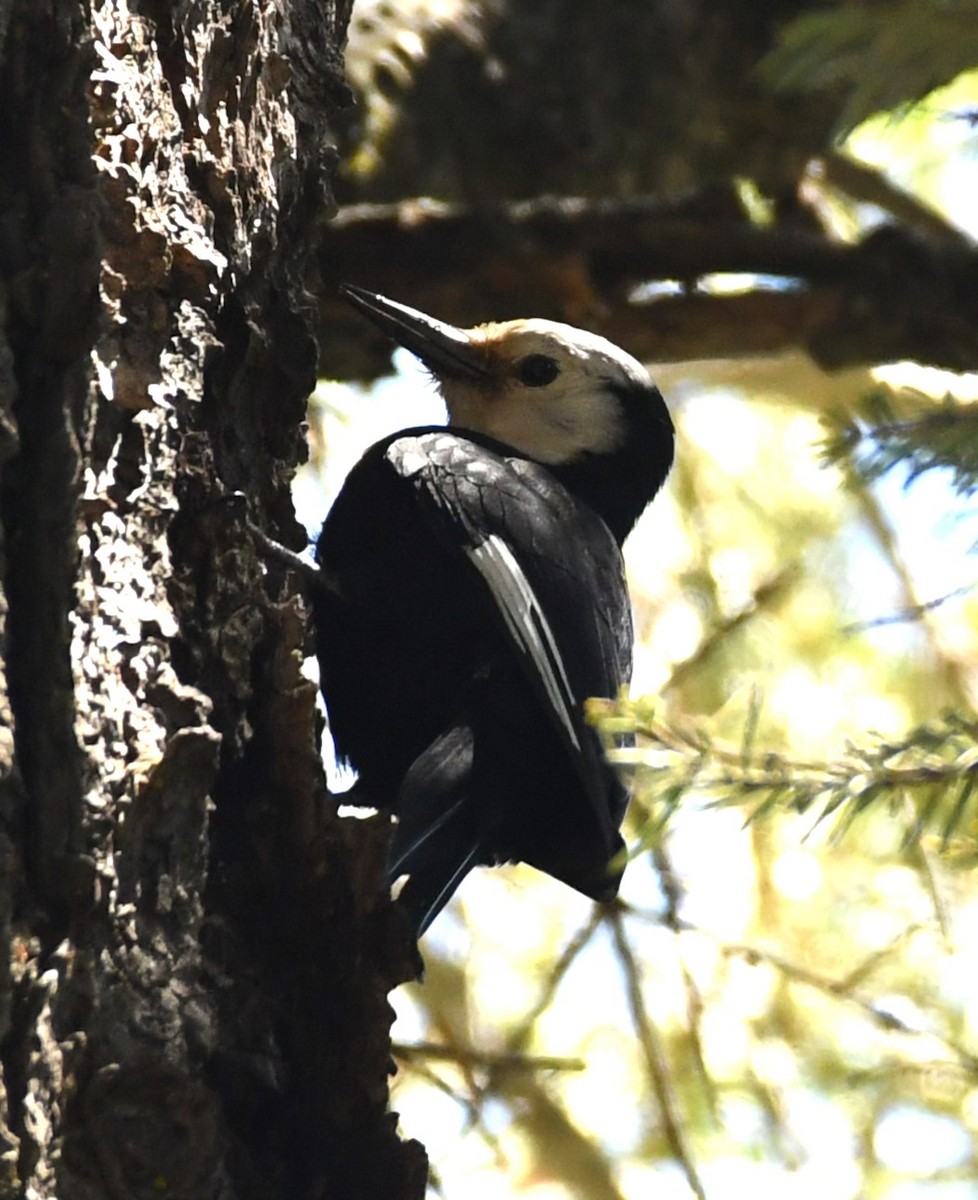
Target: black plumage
477,598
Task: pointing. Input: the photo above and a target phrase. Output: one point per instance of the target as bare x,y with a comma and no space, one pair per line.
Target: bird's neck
620,486
617,498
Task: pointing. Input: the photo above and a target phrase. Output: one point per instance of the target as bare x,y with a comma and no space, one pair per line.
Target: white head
564,397
548,389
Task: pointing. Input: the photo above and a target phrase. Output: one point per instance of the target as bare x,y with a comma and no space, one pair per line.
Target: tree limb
899,293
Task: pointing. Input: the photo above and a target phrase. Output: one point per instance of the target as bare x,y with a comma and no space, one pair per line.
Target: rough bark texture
194,1003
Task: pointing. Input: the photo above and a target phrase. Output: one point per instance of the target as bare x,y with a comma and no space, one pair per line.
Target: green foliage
791,961
873,437
927,778
767,992
883,57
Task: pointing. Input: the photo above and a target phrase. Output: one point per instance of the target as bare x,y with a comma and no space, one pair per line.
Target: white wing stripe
526,620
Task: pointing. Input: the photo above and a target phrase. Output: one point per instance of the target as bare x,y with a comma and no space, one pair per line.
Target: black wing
477,604
554,574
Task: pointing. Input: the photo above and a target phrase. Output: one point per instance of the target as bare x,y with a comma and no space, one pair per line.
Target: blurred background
775,206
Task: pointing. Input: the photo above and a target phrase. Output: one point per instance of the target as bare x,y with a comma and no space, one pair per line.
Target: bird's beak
444,349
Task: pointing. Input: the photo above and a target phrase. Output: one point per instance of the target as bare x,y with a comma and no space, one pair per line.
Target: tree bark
194,1000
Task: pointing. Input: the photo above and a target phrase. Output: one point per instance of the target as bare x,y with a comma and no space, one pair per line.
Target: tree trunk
199,951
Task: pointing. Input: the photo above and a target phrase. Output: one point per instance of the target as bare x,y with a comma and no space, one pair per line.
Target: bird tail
436,840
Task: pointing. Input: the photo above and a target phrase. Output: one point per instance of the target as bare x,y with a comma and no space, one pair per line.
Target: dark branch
897,294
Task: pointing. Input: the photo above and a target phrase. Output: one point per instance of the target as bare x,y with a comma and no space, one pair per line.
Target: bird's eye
537,370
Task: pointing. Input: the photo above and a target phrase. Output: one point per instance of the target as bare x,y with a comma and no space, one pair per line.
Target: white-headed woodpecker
477,598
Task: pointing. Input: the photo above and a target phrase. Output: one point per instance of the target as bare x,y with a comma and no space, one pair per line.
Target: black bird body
476,599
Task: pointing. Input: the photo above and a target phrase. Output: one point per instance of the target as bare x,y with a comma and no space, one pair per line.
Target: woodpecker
474,597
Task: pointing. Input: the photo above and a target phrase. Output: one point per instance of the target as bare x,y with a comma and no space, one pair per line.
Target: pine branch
654,1056
896,294
875,439
848,989
493,1064
950,667
523,1033
934,769
871,185
881,57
